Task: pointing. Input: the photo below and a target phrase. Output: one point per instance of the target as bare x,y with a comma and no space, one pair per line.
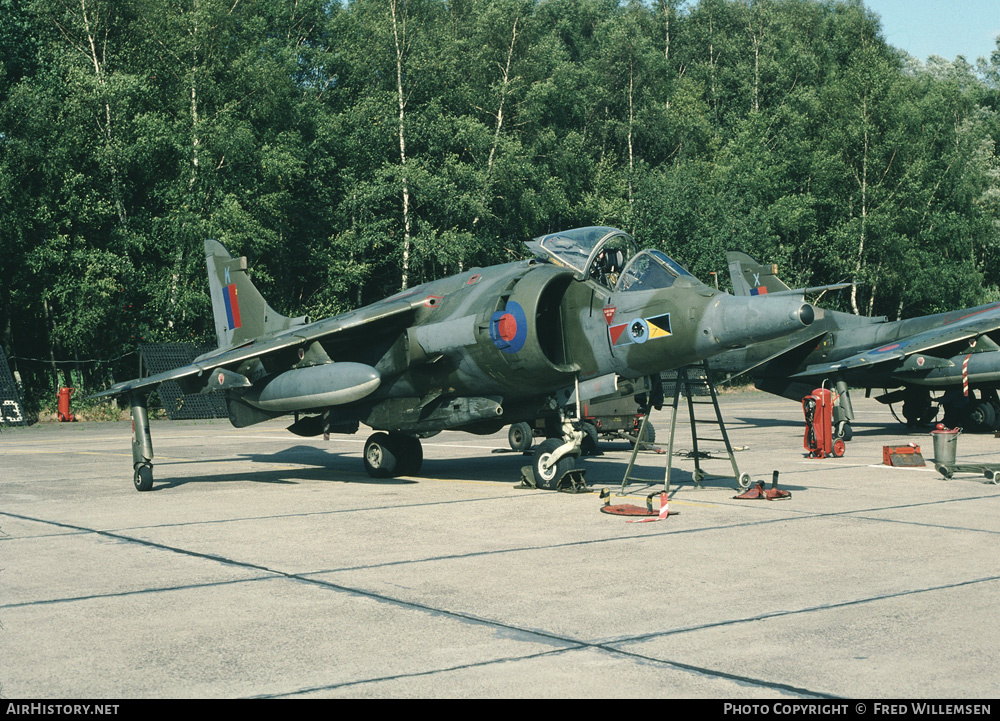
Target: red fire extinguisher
63,396
818,410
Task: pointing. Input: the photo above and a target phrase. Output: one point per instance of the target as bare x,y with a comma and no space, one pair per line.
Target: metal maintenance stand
695,382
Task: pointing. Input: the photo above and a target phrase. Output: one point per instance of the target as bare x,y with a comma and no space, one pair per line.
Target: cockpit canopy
650,270
608,256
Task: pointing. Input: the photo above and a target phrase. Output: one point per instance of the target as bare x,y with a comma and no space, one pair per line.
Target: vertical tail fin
241,313
750,277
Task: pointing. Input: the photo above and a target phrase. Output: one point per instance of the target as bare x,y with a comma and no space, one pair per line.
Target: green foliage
131,130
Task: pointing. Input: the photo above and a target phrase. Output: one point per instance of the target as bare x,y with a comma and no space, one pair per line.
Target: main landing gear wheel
845,431
409,454
744,481
648,435
982,415
547,476
143,477
380,456
589,445
519,436
917,408
393,454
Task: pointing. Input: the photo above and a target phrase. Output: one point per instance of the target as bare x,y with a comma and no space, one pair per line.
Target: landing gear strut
555,456
843,413
917,408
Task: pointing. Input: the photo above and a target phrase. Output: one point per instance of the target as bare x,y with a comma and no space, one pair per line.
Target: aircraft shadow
650,479
323,465
327,466
860,429
289,477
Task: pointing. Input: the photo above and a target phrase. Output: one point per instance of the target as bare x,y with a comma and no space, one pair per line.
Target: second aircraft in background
954,352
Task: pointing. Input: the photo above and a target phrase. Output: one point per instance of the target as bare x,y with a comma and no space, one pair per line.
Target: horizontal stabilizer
813,289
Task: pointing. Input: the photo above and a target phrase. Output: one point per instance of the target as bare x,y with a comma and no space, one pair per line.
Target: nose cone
737,321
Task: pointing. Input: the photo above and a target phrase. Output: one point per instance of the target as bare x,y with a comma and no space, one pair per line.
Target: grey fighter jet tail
241,313
956,352
752,278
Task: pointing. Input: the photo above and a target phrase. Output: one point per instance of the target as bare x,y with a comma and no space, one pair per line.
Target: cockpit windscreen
650,270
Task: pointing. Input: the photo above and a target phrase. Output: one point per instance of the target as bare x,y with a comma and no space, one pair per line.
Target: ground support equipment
758,492
695,383
639,514
991,472
900,456
572,481
945,451
819,440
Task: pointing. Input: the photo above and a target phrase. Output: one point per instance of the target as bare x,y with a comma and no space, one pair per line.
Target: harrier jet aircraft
586,317
953,352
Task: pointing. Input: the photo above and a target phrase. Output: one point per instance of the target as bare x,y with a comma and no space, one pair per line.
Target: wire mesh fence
11,408
161,357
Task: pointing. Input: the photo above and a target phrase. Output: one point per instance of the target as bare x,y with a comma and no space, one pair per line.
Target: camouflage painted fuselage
874,353
475,351
494,346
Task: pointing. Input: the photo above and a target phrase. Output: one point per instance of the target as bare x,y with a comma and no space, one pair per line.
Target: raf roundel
638,330
509,328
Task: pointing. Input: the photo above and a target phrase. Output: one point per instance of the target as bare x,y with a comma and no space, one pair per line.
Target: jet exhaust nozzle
736,321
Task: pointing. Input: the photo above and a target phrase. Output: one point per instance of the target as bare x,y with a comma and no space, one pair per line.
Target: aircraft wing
369,316
802,346
965,328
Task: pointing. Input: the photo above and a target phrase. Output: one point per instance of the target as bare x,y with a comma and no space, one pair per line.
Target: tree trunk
175,276
631,120
666,23
864,212
100,73
400,50
50,326
505,75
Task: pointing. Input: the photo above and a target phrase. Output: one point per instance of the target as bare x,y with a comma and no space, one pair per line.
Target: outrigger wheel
143,477
142,444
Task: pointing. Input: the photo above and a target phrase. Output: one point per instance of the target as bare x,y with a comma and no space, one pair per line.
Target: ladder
695,382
